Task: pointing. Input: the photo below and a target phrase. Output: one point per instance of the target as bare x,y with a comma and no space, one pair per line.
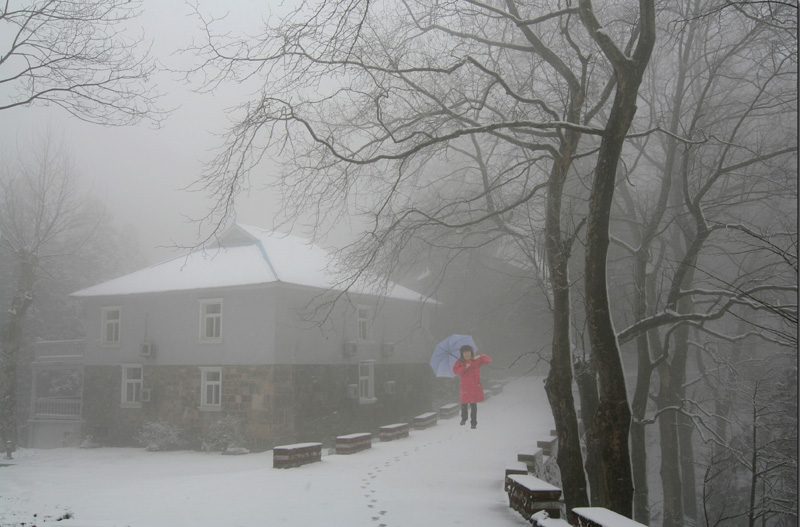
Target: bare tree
43,216
756,461
370,107
698,227
78,55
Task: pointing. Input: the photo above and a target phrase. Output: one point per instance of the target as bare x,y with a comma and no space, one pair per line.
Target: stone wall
324,410
277,404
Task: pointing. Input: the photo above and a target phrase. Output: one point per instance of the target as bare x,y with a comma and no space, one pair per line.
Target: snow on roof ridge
251,256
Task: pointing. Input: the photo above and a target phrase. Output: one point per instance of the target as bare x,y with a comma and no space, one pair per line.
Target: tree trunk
11,343
668,433
686,436
558,385
641,498
613,419
586,378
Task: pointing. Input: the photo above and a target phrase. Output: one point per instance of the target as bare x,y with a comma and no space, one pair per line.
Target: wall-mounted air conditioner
389,388
147,350
350,349
147,395
352,391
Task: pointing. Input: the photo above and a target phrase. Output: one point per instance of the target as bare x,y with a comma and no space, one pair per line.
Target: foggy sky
139,172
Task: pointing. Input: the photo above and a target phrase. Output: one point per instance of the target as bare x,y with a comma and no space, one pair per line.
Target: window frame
125,402
205,383
104,325
205,317
364,323
366,382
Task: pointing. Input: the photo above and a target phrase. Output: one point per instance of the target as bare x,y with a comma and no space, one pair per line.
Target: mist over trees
634,165
78,56
55,238
658,141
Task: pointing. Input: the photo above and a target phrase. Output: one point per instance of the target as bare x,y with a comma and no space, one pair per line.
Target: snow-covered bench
287,456
514,468
548,446
449,410
600,517
425,420
542,519
352,443
529,495
392,432
533,461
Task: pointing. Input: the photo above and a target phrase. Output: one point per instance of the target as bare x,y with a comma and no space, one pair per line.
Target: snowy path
447,475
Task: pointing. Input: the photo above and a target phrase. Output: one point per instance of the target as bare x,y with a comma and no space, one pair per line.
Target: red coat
470,373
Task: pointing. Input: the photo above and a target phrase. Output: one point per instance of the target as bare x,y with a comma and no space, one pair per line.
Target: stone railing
57,407
55,350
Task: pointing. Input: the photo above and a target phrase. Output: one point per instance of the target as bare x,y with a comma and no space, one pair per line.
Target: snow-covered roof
244,256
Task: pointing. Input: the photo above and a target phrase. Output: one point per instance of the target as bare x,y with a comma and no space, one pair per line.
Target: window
112,316
211,388
211,320
132,385
364,323
366,382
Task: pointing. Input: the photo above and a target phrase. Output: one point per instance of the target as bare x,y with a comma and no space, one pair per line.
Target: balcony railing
57,407
58,350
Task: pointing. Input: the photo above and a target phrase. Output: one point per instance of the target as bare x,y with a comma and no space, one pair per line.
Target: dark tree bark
586,377
559,379
613,418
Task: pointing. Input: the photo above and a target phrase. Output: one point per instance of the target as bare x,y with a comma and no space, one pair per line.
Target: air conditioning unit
147,395
389,388
350,349
147,350
387,350
352,391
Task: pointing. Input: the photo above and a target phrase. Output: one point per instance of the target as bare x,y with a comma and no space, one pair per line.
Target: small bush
223,435
89,442
159,435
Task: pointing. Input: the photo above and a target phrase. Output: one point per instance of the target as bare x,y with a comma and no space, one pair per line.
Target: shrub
223,435
159,435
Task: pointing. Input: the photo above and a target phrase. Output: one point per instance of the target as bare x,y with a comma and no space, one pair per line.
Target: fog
499,214
142,173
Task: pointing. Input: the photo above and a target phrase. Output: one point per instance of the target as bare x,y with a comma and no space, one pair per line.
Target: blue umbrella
447,352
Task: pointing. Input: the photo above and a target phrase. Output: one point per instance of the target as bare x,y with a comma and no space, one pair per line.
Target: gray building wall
284,376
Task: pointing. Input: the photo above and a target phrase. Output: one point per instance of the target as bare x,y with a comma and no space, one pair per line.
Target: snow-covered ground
445,475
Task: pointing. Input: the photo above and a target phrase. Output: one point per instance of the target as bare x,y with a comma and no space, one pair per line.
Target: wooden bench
601,517
427,420
392,432
287,456
533,461
449,410
529,495
514,468
352,443
548,446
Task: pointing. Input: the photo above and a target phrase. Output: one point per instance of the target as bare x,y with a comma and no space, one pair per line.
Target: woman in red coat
469,369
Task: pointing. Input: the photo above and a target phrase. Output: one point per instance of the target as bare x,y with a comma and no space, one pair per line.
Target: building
253,326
